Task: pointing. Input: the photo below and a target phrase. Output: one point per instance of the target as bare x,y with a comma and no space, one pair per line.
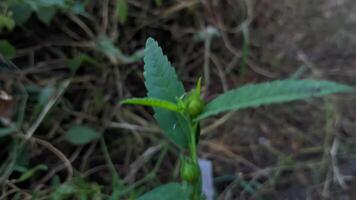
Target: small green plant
179,112
18,12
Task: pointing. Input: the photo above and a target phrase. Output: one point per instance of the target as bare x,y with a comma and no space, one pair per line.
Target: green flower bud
195,106
189,172
194,103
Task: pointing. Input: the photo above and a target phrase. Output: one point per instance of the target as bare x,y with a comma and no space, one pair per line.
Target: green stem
196,194
193,144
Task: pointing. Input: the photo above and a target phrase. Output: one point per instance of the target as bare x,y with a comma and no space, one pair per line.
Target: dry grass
302,150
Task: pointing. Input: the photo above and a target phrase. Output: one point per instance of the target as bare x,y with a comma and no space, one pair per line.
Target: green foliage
176,111
174,191
79,60
122,11
45,10
195,107
78,7
46,14
36,4
31,172
194,103
6,22
270,92
159,2
152,102
80,135
160,77
116,182
21,10
78,189
6,131
7,50
108,48
45,95
162,83
189,171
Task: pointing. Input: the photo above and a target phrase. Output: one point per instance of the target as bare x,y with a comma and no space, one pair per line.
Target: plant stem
196,194
193,144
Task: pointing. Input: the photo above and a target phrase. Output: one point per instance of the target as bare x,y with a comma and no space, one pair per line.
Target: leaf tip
150,41
348,88
122,102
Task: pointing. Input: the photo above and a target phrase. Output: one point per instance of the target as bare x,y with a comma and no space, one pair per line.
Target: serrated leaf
80,135
162,83
152,102
270,92
160,77
168,191
122,11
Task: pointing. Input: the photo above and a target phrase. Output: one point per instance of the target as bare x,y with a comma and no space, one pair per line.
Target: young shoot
179,112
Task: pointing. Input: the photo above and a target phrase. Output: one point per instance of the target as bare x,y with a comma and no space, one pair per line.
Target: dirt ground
295,151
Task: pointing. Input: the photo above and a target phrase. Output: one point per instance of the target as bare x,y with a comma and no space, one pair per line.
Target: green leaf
107,47
78,8
122,11
46,14
152,102
45,95
80,135
76,62
6,131
49,3
77,188
162,83
6,22
22,162
7,50
158,2
31,172
168,191
270,92
21,12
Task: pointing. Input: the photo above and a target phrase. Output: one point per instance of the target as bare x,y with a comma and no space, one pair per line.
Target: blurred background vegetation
65,65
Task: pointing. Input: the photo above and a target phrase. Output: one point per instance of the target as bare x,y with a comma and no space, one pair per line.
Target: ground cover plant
179,113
